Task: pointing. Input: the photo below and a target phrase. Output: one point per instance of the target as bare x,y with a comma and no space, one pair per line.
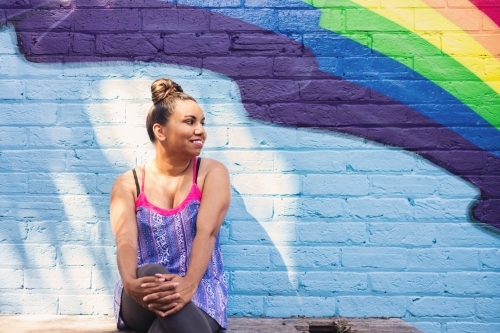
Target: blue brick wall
321,224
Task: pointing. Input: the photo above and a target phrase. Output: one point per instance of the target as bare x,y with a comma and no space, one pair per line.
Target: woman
166,217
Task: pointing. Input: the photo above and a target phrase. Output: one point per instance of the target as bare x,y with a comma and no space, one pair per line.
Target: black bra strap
137,188
198,161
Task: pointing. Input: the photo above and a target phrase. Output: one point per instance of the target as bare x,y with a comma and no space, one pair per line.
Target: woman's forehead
188,108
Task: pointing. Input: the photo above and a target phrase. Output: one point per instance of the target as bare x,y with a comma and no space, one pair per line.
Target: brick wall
355,164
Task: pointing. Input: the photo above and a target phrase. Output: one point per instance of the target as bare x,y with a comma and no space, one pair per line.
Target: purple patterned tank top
166,238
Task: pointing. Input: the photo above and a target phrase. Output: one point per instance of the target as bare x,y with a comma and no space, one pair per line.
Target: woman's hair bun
163,88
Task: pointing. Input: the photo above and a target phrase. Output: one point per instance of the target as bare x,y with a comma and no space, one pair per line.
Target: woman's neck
171,167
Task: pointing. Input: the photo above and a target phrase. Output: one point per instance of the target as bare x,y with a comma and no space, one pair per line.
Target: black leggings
190,319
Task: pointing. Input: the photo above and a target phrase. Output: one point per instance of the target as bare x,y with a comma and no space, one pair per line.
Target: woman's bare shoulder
125,181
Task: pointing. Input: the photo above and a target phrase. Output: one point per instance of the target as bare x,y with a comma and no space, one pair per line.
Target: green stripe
395,41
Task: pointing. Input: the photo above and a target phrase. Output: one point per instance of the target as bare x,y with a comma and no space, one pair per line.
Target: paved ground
105,324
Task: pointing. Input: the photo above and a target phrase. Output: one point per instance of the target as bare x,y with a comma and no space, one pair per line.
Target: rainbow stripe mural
414,74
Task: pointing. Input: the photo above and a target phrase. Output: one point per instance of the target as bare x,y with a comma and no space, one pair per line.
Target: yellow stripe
416,15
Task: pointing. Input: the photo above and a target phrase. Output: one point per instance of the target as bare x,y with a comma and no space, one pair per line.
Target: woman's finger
160,285
162,297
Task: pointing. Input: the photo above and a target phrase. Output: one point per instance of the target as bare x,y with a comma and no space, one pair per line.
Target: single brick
82,255
13,231
172,20
262,137
200,44
405,282
13,182
106,20
61,137
105,182
298,21
445,259
397,185
371,306
10,89
122,136
335,185
465,234
489,258
285,306
128,45
428,327
306,207
252,232
488,308
212,3
382,160
14,137
60,232
466,327
27,256
86,304
359,68
244,161
309,161
266,184
57,279
276,3
100,70
106,160
263,283
374,257
33,160
250,208
89,208
242,305
452,307
12,278
305,257
104,279
27,208
331,283
331,232
397,234
373,208
246,256
316,139
38,304
52,43
67,89
472,283
14,66
243,19
62,183
121,89
94,113
440,209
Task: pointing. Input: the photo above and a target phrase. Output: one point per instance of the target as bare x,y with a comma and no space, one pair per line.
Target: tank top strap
143,177
137,189
195,169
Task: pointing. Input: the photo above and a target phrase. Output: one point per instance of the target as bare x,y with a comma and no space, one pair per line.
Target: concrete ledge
105,324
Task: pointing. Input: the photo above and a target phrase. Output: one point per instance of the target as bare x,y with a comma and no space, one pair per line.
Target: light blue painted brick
262,137
427,327
14,114
84,255
279,306
222,114
372,306
383,160
121,136
305,257
312,161
60,232
15,66
33,160
488,308
102,160
335,185
248,232
90,208
22,207
299,21
58,90
331,232
489,258
456,187
105,182
244,161
62,183
443,209
250,208
103,232
12,278
12,231
374,257
13,137
370,208
211,3
154,70
472,283
261,18
11,89
329,283
309,207
57,279
99,70
8,42
241,305
266,184
400,185
217,137
402,234
38,304
470,327
466,234
437,259
405,282
246,256
104,279
61,137
263,283
280,231
276,3
452,307
13,183
321,139
93,113
86,304
27,256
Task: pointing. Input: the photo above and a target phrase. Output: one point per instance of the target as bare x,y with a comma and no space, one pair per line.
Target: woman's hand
165,301
140,288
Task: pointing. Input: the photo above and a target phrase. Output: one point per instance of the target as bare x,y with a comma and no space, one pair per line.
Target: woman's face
184,133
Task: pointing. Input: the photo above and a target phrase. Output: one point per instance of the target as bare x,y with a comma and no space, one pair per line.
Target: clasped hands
164,294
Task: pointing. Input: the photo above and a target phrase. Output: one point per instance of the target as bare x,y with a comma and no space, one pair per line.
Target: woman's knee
151,270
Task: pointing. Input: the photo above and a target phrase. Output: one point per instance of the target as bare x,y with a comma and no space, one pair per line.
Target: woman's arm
215,202
123,224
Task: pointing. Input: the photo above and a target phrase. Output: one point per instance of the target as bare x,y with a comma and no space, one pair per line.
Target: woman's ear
159,132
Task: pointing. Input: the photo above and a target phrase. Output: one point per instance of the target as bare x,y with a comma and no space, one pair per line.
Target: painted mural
304,95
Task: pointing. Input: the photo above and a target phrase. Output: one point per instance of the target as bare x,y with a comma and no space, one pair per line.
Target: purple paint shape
279,78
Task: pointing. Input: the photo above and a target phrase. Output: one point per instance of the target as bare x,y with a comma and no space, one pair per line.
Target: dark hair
165,93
